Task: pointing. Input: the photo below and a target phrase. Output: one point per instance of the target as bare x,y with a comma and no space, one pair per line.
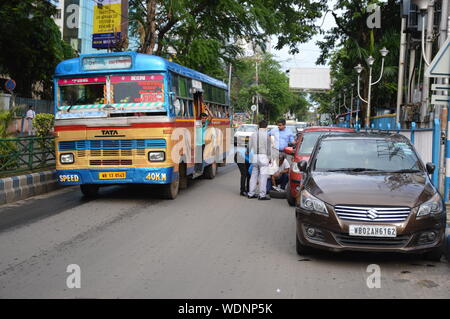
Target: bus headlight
156,156
66,158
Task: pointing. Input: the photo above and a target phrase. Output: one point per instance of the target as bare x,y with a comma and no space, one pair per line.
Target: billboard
309,79
110,23
71,18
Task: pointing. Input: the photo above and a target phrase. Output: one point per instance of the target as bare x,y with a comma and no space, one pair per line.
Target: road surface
208,243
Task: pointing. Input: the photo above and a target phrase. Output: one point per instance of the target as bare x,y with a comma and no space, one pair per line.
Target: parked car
369,192
302,150
243,134
300,126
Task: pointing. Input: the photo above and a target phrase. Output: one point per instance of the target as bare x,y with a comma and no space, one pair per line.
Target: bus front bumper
137,175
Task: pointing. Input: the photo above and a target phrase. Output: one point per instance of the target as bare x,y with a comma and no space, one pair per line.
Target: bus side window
191,109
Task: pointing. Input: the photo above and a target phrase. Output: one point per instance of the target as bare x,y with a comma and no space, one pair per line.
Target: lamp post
351,105
370,61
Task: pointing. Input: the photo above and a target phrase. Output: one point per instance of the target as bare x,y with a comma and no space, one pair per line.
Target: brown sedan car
369,192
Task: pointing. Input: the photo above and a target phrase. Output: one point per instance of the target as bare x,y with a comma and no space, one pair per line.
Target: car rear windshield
310,139
366,155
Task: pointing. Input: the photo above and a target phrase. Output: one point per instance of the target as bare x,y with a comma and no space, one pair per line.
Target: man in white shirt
259,148
281,177
30,116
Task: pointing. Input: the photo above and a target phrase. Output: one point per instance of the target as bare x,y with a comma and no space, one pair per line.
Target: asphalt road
208,243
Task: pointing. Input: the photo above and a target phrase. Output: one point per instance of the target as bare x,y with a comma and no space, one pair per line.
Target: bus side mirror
302,165
172,97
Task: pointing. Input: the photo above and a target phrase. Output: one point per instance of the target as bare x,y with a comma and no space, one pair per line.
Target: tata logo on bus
110,132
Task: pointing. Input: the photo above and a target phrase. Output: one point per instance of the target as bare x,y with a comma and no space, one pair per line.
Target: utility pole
443,35
427,58
401,70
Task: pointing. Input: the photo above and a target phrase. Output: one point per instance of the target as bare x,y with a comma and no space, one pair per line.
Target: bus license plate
372,231
112,175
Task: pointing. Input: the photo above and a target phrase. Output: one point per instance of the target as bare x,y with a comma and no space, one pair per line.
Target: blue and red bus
120,117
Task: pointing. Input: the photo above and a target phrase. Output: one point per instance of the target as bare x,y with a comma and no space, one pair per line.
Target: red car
302,151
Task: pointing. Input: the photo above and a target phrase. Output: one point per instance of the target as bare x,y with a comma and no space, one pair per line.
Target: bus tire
183,176
89,190
210,171
170,191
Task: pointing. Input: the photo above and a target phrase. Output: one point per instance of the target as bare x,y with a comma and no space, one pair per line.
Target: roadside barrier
23,186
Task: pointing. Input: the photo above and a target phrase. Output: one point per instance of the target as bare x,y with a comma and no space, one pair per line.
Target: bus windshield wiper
72,104
108,106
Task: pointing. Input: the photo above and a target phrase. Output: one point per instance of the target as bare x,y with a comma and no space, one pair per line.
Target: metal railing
26,154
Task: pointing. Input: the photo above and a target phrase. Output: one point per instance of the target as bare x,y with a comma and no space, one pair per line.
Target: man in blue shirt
283,136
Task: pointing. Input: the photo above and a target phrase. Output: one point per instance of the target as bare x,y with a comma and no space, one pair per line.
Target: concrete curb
23,186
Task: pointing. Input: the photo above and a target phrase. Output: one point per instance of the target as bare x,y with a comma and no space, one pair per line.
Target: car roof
366,135
327,129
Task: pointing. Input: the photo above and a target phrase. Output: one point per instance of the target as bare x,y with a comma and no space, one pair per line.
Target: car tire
302,249
275,194
433,255
210,171
170,191
289,198
89,190
447,247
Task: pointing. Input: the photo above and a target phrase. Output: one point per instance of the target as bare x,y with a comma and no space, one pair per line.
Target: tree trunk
150,36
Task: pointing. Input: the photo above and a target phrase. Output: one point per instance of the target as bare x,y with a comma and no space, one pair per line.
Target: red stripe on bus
188,123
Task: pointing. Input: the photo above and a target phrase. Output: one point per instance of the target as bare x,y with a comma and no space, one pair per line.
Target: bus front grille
115,162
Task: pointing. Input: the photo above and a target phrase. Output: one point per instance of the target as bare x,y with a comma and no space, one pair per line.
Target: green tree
273,88
350,43
31,45
203,34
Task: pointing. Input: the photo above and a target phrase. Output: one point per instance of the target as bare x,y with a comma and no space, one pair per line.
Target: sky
309,52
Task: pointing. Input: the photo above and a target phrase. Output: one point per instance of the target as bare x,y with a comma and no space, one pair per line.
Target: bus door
198,132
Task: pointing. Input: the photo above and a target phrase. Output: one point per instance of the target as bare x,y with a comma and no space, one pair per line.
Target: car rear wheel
302,249
289,198
89,190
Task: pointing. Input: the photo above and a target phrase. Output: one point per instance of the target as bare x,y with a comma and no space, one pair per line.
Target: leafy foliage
205,34
31,45
350,43
6,118
273,88
43,124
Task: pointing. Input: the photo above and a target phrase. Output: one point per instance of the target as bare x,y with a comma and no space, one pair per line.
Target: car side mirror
430,168
302,165
289,150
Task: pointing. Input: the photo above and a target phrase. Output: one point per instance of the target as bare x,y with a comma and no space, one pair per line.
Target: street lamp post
351,105
370,61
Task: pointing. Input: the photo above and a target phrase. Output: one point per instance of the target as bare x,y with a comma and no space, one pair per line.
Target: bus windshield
127,94
81,92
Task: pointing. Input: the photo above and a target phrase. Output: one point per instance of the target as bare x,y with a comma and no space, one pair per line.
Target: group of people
263,164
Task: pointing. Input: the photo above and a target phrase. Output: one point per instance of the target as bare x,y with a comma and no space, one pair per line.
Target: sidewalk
23,186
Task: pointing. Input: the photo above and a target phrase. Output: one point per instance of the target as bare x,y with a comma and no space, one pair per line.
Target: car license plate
372,231
112,175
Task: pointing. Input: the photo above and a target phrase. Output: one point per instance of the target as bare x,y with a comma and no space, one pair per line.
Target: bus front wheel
170,191
89,190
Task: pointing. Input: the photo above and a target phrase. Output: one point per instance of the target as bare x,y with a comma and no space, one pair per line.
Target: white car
244,132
